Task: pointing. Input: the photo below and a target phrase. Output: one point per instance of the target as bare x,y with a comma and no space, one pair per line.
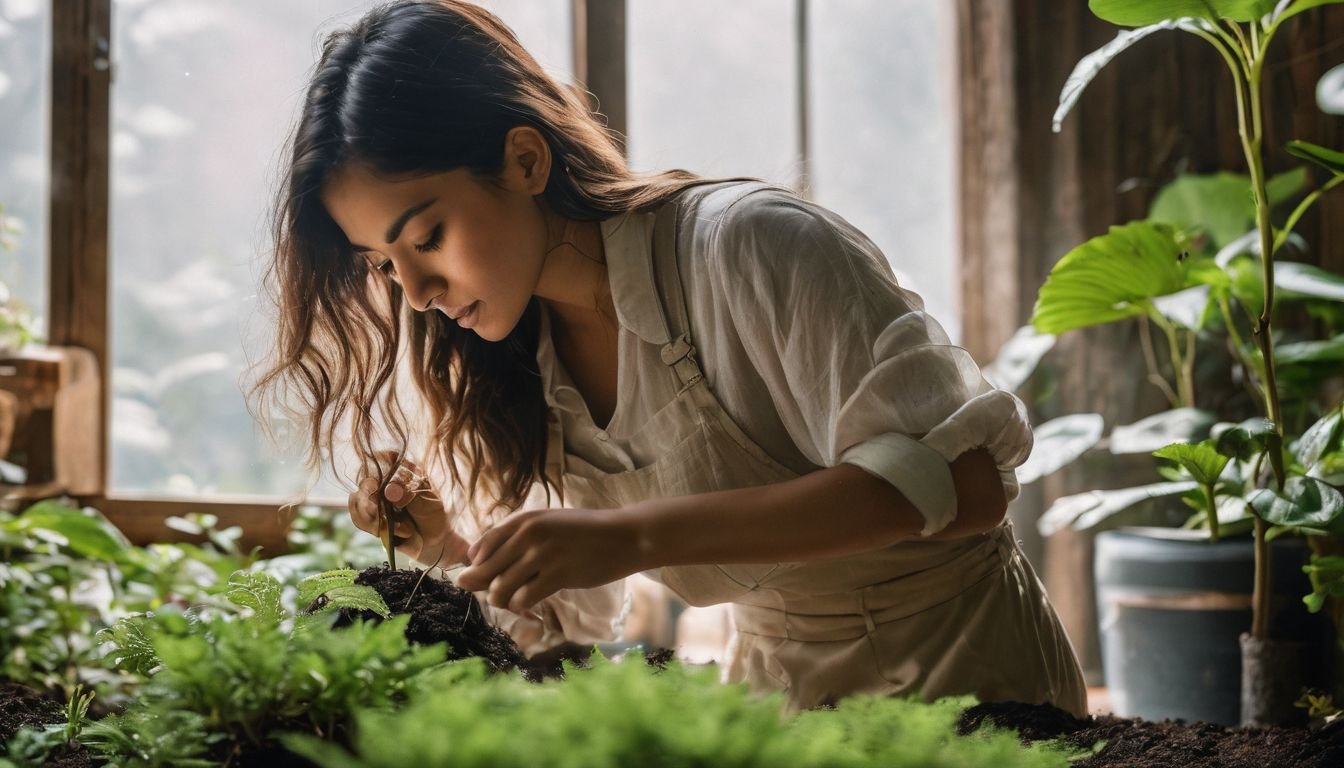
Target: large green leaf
1018,358
1088,66
1320,438
1328,159
1135,13
1245,440
1221,204
1305,5
1306,504
1299,280
1112,277
1301,352
1201,460
1087,510
1058,442
1161,429
83,531
1286,186
1330,91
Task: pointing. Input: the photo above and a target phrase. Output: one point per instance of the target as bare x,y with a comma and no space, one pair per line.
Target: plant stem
1301,209
1239,350
1211,511
1150,361
1187,397
1260,595
1252,143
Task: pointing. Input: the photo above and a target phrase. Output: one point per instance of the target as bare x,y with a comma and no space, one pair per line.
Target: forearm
828,513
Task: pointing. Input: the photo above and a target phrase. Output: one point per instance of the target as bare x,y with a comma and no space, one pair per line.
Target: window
713,88
883,129
716,88
25,91
202,100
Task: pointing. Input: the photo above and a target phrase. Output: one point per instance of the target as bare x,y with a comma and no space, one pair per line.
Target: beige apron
935,618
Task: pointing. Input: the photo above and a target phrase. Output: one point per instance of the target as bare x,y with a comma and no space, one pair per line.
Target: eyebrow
394,231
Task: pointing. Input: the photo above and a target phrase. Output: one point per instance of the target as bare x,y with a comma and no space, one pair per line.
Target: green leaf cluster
618,714
245,678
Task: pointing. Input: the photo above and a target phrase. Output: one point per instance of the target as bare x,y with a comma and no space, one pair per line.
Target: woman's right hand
431,538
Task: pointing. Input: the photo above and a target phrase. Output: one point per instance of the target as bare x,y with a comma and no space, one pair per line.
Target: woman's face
457,244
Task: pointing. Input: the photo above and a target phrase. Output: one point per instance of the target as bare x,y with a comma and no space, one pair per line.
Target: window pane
25,101
713,87
883,134
204,95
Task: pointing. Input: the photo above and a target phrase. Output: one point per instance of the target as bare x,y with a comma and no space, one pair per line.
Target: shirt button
603,436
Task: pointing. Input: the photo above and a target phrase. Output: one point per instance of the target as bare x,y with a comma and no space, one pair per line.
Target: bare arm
827,513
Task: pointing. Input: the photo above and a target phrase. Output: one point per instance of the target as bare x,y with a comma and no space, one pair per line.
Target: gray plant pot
1172,607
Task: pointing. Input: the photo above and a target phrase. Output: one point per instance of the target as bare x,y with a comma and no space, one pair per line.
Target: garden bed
1136,743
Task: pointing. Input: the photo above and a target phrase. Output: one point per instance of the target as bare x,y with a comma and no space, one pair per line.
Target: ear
527,159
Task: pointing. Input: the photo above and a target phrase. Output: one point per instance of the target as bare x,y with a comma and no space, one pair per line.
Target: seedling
392,517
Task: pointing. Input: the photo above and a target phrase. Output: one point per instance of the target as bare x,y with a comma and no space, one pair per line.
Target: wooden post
81,77
599,59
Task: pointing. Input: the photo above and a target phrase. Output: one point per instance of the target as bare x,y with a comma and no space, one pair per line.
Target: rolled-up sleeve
858,372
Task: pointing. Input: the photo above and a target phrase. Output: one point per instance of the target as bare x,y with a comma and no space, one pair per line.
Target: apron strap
679,353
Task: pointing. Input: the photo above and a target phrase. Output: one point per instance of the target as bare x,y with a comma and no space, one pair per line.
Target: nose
420,288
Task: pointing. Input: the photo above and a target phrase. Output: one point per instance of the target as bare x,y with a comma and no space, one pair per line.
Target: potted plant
1190,274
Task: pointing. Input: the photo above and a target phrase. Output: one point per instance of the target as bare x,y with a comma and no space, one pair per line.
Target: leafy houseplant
1251,473
17,327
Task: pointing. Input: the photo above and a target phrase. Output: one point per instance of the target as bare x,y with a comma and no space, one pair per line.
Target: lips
454,313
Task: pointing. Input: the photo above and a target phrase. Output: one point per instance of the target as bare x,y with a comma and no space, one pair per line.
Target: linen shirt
811,346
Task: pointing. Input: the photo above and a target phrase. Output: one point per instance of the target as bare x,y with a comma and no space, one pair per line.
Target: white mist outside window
25,162
714,88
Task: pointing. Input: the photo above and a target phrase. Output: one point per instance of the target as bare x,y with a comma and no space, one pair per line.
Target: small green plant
33,746
1319,706
247,677
17,326
618,714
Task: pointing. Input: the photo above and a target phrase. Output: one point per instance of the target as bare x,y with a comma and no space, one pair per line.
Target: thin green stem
1260,593
1211,510
1238,346
1302,208
1186,396
1150,361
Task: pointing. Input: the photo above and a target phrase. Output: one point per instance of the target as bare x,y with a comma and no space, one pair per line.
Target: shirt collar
627,242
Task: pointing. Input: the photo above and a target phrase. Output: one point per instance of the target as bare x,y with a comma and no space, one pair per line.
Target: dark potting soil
1135,743
22,706
440,613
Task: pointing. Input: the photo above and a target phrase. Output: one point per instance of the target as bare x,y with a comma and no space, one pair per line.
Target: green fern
259,592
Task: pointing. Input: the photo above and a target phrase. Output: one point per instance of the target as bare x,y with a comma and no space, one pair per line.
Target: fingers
506,584
363,506
531,593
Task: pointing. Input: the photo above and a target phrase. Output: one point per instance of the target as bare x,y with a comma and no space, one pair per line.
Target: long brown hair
414,88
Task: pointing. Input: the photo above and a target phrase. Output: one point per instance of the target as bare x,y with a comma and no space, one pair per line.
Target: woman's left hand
534,553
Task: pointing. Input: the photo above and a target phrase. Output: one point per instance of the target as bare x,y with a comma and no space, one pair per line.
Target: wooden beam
81,77
265,524
599,59
989,177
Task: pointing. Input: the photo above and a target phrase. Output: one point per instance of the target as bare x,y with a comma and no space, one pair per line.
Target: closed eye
432,244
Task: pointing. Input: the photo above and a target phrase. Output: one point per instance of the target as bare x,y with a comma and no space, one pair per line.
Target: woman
717,384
